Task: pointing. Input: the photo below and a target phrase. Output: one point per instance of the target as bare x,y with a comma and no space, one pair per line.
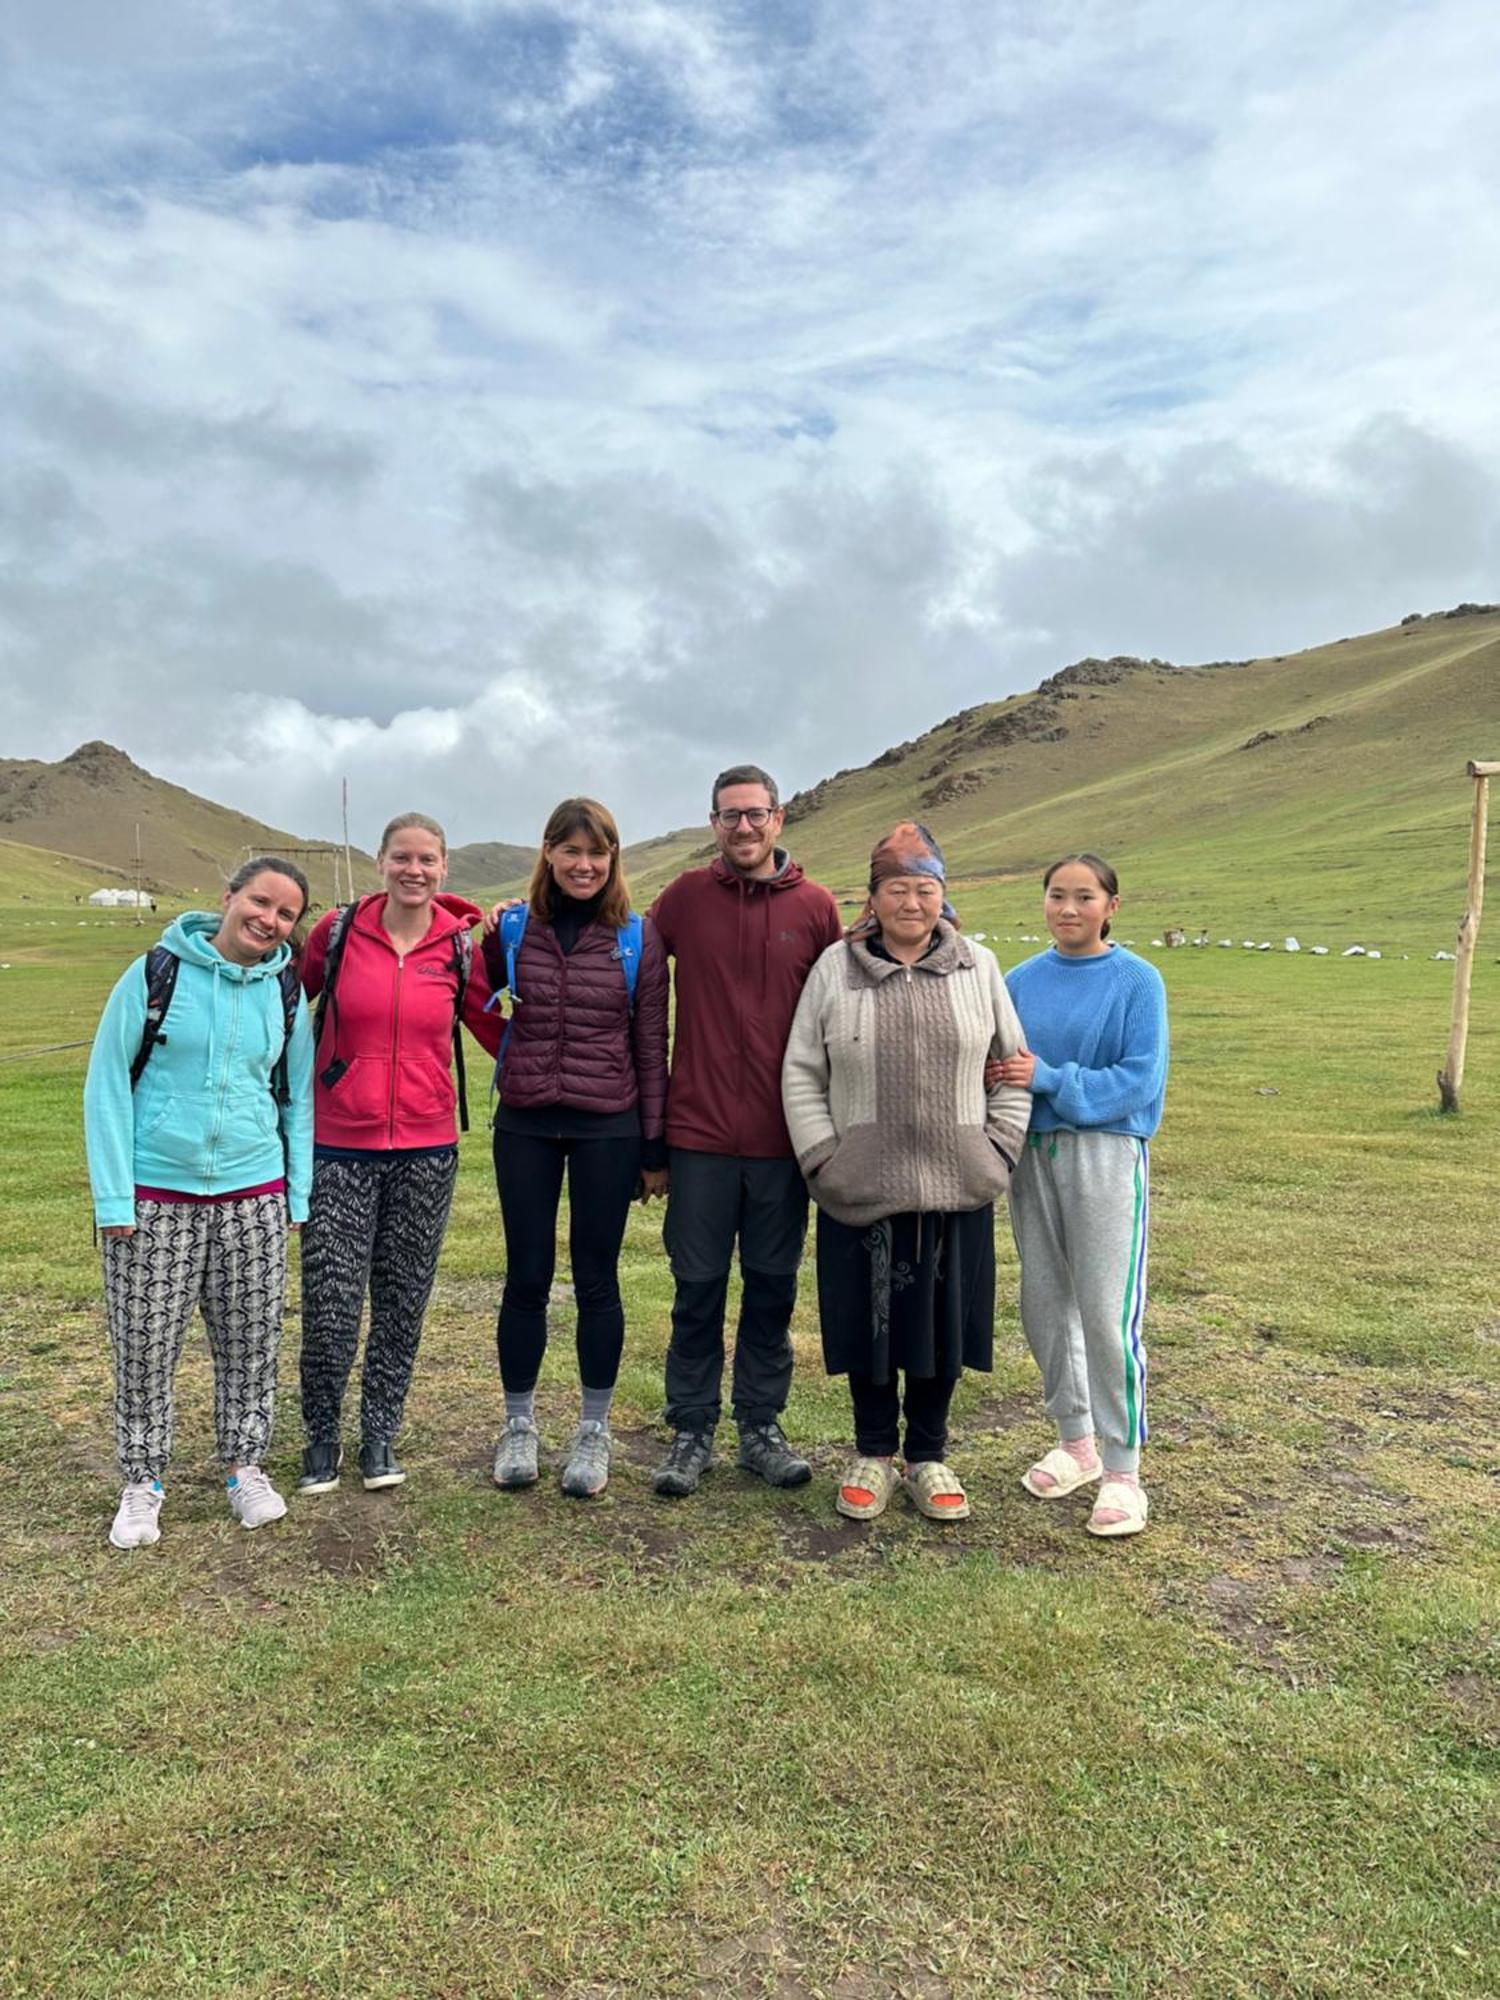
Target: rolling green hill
88,806
1315,792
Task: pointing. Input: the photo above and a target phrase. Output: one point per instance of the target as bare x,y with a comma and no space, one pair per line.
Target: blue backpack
513,929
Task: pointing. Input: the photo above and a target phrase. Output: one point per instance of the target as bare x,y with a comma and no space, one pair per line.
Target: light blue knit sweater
1098,1029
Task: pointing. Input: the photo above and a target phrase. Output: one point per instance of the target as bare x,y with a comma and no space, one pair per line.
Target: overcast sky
490,401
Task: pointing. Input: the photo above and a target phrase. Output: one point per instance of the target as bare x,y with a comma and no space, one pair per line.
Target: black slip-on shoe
379,1466
320,1468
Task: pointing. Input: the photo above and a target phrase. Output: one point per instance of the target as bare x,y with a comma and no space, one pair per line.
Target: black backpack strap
463,959
161,978
291,993
333,958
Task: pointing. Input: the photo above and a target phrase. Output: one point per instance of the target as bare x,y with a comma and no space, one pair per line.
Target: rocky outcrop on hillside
1276,735
1457,611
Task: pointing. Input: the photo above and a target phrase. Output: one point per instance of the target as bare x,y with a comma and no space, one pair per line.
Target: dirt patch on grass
765,1963
995,1414
1476,1696
362,1535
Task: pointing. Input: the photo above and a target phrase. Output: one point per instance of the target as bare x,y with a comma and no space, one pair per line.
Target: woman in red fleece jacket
385,1145
583,1086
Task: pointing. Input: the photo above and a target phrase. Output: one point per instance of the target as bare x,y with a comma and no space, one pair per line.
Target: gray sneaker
134,1526
253,1500
691,1455
765,1452
587,1471
515,1454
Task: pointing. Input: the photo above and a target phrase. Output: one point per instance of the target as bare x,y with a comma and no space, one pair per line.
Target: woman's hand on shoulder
493,916
1016,1070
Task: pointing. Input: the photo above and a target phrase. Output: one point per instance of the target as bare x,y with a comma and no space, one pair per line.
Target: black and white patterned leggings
375,1222
227,1257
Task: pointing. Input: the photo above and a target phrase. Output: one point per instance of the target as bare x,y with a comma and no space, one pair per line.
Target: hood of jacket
788,874
188,938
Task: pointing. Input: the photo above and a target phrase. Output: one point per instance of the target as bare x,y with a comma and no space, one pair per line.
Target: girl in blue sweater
1095,1060
200,1160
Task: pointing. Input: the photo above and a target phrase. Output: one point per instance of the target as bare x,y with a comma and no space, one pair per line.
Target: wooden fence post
1451,1075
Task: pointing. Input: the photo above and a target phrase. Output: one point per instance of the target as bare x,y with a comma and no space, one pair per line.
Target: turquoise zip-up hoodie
202,1119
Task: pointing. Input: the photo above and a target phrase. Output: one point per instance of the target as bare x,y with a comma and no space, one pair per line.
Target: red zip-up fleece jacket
573,1038
744,946
392,1023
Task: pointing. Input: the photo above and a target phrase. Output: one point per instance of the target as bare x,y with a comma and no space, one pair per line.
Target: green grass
453,1742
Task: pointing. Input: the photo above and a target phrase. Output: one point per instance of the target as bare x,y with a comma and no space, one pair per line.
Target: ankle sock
520,1404
596,1405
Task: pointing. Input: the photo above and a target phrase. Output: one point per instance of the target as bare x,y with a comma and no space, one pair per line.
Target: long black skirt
914,1291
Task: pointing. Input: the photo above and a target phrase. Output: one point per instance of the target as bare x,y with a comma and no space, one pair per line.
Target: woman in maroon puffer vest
583,1085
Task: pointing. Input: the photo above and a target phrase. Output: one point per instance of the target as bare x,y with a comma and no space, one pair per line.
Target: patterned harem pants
375,1222
229,1259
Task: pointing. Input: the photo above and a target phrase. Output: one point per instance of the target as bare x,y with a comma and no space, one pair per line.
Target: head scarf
908,849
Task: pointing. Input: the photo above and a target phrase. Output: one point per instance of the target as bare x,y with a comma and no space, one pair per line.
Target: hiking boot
691,1455
253,1500
515,1454
379,1465
134,1526
320,1468
587,1471
765,1452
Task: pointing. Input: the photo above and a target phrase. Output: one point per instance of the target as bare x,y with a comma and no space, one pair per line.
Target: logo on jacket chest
433,971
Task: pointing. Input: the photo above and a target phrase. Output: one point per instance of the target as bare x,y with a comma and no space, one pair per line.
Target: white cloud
503,399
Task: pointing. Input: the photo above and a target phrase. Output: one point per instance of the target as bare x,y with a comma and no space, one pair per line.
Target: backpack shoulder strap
290,980
333,958
463,961
512,931
628,950
160,971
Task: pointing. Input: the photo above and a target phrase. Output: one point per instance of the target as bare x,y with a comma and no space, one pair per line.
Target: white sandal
1064,1468
1115,1496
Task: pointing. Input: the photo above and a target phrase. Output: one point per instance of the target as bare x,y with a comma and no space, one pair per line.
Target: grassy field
452,1742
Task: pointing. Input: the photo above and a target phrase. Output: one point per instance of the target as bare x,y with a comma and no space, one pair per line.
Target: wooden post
1451,1075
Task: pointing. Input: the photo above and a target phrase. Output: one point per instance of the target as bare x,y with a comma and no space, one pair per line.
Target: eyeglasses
730,818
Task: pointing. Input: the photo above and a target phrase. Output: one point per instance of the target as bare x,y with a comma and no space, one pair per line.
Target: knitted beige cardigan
883,1081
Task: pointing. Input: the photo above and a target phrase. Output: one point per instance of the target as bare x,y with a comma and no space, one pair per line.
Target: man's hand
653,1183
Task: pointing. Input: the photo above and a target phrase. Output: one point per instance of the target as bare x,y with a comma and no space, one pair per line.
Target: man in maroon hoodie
743,933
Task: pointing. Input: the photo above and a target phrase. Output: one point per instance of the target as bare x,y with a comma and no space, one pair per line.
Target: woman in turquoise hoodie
201,1159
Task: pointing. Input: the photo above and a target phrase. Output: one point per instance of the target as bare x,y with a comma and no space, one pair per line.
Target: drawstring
213,1030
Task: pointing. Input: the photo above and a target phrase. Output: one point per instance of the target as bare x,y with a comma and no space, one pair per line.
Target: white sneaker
253,1500
134,1526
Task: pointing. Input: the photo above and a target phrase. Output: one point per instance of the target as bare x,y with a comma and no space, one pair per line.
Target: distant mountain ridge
1325,786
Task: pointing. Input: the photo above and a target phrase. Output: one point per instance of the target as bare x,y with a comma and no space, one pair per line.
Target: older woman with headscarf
905,1151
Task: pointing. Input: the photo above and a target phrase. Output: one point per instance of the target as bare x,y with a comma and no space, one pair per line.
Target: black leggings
602,1179
877,1416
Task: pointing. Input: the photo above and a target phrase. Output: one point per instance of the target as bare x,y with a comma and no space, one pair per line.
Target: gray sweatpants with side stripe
1079,1206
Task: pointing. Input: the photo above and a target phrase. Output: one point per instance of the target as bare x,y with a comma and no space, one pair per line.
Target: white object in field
1374,954
1320,951
1249,944
1156,944
1355,951
1226,944
1264,945
1447,957
1292,945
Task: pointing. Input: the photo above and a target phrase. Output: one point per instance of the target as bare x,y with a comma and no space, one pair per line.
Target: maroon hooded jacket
744,946
392,1025
573,1039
